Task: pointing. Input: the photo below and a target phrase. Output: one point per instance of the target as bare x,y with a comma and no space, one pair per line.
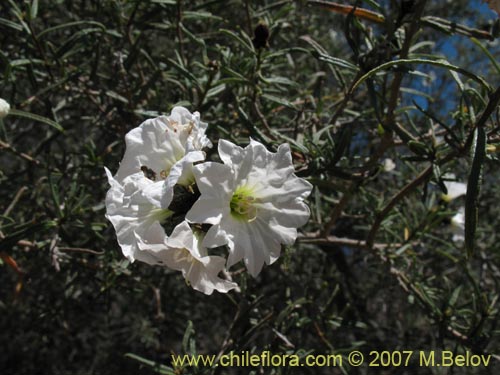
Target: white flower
135,211
4,108
458,225
388,165
253,201
185,253
455,189
164,148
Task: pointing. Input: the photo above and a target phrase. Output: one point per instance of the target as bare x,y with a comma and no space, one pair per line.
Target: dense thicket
377,266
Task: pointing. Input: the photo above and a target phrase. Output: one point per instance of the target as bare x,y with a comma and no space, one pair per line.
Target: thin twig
452,27
423,176
8,147
342,241
337,210
179,31
249,18
494,99
12,204
80,250
389,121
409,287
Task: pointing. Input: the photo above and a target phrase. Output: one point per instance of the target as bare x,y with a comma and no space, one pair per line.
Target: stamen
242,205
193,261
184,255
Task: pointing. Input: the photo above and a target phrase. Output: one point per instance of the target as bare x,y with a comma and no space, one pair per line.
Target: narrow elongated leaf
34,9
215,90
186,73
278,100
405,62
70,24
487,53
10,24
335,61
156,367
34,117
238,39
167,2
342,143
473,187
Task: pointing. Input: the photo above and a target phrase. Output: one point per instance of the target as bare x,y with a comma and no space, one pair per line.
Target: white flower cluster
169,206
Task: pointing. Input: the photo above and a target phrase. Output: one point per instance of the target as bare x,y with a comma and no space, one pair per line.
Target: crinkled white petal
182,174
135,218
214,180
254,243
238,159
151,145
207,210
160,143
162,149
230,153
186,254
216,237
275,167
192,129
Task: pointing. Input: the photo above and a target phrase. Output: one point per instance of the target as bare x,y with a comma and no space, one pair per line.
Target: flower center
160,215
242,204
185,255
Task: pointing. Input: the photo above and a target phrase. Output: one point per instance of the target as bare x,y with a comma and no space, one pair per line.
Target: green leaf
10,24
115,95
215,90
454,296
343,140
335,61
186,73
281,81
71,24
473,188
234,74
34,117
73,40
488,54
404,62
156,367
237,38
23,230
200,15
34,9
188,342
167,2
278,100
418,148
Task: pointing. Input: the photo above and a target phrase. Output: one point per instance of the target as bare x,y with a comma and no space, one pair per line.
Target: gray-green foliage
376,268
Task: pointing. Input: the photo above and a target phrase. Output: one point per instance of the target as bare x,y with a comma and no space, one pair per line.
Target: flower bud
4,108
261,36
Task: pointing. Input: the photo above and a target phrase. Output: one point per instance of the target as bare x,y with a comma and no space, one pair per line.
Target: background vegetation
376,267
